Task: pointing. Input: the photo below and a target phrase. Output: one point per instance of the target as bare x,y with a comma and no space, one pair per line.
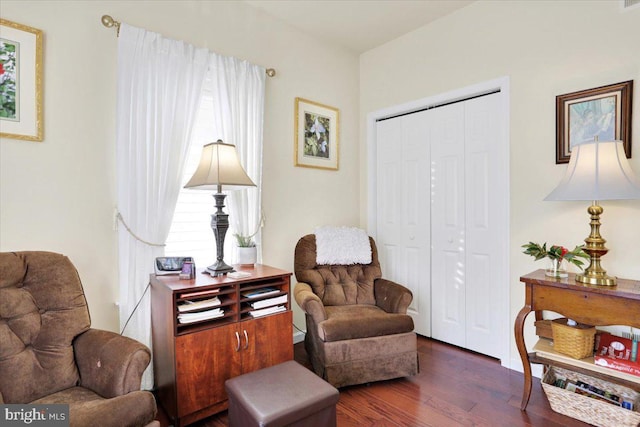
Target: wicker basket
575,341
587,409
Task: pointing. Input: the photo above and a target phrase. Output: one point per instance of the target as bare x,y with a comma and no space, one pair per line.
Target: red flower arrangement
558,253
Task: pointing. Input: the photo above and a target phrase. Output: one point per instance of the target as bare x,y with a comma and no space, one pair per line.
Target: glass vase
557,268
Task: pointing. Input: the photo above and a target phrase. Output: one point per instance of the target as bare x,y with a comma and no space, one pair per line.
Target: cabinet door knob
238,341
246,339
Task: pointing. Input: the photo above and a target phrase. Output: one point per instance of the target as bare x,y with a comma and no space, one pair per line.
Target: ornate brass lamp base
595,274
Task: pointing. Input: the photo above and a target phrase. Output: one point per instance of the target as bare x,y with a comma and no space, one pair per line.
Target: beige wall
59,195
546,49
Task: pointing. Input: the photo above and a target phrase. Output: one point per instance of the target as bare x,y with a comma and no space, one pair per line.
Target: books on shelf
282,299
267,311
188,306
200,315
262,292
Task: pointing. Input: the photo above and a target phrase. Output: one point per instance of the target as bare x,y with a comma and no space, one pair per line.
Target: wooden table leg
522,349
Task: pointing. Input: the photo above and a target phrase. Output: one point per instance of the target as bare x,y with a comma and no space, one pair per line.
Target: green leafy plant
556,252
244,241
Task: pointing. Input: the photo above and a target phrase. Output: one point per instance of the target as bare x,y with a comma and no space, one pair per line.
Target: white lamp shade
219,166
597,170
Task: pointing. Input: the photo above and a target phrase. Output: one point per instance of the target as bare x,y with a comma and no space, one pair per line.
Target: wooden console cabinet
588,304
192,360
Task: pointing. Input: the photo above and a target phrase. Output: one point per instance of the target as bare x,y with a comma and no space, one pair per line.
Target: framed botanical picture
603,113
316,135
20,81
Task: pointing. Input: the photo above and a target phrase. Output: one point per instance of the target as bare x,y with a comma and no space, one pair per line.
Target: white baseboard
298,337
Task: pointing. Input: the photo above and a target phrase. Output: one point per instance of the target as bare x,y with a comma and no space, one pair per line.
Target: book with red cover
617,353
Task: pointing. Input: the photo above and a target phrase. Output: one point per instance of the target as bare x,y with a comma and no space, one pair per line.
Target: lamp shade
598,170
219,167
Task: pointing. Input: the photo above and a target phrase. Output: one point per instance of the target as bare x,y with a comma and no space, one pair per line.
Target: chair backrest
42,309
336,284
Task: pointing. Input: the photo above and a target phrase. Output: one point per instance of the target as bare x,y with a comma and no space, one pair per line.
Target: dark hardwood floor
455,387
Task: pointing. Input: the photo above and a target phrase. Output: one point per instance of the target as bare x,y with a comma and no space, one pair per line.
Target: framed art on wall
603,112
316,135
20,82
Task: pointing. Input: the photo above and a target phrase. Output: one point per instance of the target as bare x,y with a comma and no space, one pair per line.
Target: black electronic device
170,264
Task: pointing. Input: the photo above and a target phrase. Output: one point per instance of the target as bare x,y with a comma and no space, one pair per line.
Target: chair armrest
110,364
309,302
392,297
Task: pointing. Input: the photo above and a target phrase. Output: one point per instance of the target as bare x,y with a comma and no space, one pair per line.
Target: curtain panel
158,92
238,90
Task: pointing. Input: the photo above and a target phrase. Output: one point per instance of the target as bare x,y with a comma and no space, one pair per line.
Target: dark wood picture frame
604,112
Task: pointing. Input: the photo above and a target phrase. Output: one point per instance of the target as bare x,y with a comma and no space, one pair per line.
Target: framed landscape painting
603,113
316,135
20,82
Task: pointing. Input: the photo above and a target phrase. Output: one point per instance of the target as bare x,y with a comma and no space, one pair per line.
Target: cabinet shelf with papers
264,298
195,349
186,316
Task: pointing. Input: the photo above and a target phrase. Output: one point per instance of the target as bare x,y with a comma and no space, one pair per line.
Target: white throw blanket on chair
342,246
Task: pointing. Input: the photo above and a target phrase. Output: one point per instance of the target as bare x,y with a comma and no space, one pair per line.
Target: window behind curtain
190,233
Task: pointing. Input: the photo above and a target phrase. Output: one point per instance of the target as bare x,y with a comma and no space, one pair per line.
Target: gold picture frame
317,135
20,81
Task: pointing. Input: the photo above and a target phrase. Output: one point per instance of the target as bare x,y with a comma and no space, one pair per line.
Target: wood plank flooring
455,387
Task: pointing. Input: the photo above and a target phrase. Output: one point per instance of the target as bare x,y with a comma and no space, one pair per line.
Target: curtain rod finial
109,22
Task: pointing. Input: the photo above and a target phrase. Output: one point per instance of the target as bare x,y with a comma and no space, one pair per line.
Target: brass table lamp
598,170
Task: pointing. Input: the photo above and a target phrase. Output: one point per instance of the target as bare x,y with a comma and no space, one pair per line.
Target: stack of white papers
282,299
200,315
198,305
266,311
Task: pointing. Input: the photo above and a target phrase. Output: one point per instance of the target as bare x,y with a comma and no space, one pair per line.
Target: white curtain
159,87
237,89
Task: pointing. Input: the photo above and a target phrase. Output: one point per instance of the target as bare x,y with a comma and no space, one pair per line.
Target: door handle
246,339
237,341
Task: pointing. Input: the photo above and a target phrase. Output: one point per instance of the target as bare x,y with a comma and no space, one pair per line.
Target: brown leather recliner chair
50,355
357,327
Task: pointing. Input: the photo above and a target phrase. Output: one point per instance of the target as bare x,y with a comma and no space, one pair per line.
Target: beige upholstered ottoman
287,394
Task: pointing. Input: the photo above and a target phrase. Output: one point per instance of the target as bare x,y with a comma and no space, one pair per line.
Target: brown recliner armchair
50,355
357,327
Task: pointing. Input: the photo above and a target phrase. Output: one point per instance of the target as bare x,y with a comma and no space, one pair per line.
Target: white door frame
501,84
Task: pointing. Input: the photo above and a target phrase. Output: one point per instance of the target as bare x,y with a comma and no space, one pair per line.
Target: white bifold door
442,219
403,207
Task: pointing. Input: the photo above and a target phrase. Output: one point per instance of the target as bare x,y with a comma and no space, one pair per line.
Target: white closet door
486,214
448,224
403,227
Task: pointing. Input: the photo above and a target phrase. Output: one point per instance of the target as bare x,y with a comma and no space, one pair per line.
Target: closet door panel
388,229
416,221
448,277
403,229
486,208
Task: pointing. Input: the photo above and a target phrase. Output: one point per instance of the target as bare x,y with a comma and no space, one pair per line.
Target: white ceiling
358,25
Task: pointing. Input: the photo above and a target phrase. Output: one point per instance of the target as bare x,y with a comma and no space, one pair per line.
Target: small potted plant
558,256
246,250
